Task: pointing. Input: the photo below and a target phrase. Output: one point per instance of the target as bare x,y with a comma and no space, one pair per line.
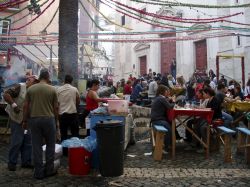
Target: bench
226,133
158,133
243,142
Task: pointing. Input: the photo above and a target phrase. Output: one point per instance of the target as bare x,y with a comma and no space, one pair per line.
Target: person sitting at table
221,97
238,95
215,106
247,91
160,105
202,104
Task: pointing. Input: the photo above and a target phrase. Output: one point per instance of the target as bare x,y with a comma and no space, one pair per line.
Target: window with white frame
4,26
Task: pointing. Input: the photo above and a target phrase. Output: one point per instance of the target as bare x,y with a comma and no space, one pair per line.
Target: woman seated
215,106
159,108
191,123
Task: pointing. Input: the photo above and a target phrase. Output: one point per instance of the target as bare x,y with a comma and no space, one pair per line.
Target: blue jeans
20,143
43,128
228,119
168,136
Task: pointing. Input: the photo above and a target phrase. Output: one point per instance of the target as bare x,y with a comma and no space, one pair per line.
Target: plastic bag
89,143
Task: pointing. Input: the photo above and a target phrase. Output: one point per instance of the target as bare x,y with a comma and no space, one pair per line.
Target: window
238,41
123,20
237,1
4,26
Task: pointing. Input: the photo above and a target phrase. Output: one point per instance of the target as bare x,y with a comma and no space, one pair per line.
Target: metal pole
243,71
51,62
83,69
217,68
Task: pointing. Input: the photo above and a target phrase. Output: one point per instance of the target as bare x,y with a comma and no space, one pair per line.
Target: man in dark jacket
159,108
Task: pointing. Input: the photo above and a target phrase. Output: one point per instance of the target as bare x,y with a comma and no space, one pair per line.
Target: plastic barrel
110,140
79,161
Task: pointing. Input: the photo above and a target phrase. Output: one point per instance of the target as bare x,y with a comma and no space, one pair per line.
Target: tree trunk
68,40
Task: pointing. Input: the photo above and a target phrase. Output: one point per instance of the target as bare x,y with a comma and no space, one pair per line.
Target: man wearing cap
41,111
20,138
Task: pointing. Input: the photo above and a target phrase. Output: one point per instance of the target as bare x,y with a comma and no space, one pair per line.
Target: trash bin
110,142
79,161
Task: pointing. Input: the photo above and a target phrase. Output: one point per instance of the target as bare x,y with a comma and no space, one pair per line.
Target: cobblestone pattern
188,169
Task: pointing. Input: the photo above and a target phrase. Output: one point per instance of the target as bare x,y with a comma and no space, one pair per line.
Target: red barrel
79,161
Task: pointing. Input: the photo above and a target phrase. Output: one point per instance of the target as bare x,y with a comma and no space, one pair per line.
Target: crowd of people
42,113
164,92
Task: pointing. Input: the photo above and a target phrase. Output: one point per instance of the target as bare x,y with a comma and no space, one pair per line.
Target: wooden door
201,55
168,52
143,65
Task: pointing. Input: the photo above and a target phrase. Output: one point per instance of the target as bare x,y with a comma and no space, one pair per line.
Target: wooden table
186,114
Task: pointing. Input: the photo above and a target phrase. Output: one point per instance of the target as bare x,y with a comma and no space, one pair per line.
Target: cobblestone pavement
188,169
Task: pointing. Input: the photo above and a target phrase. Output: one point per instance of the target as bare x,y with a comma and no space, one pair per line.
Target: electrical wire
91,17
53,17
110,21
18,28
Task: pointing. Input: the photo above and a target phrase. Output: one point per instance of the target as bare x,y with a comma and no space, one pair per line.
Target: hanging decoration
25,42
26,15
11,4
179,19
149,40
18,28
18,11
142,19
170,3
110,21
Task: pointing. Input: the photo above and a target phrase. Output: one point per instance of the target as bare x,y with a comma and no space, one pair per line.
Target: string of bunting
142,19
110,21
18,28
25,42
170,3
178,19
10,4
129,40
170,26
18,11
26,15
170,39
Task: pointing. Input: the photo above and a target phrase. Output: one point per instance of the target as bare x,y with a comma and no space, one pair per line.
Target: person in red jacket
127,88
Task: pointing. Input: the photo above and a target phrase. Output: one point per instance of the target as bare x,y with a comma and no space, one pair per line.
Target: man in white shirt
69,99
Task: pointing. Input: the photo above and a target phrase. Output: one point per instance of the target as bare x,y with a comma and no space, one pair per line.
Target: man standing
173,68
41,107
20,139
69,99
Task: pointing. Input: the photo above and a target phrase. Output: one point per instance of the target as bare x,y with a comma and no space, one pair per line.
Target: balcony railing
11,7
6,43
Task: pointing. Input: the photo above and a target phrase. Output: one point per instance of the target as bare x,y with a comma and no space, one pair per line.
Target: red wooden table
175,114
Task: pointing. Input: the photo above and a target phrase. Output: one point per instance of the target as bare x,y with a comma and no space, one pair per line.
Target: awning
41,54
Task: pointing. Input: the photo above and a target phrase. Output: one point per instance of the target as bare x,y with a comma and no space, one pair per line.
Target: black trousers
68,121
